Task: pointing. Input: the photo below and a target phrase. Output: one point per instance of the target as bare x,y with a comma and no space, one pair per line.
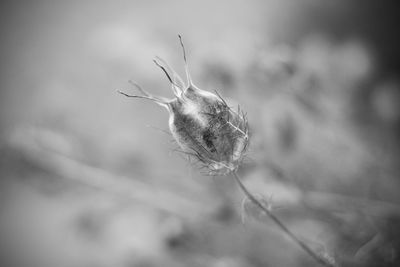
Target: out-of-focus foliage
90,178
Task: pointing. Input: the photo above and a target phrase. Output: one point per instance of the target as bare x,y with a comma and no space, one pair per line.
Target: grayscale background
90,178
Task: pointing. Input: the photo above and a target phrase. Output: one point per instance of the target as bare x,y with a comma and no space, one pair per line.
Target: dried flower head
201,122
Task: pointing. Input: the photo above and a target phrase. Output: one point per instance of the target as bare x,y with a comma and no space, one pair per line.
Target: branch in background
174,201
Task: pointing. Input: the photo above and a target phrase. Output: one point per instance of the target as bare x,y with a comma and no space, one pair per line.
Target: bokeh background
91,178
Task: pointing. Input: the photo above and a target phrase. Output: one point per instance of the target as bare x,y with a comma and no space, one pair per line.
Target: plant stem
280,224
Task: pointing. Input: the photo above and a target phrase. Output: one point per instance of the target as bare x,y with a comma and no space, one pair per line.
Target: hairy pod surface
204,126
202,123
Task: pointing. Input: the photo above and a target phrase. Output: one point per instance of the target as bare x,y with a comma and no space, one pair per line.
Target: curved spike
139,88
164,70
177,85
159,100
189,79
171,70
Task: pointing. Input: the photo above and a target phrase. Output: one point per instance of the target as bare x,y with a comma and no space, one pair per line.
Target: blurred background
92,178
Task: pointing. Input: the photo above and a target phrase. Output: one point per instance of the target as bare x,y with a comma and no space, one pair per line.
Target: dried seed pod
202,123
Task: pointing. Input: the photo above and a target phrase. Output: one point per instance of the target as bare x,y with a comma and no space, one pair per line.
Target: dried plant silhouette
207,129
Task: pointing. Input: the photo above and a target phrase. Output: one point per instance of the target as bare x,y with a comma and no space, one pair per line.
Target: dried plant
206,128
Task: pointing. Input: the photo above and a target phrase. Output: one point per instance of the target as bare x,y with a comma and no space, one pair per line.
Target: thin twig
280,224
